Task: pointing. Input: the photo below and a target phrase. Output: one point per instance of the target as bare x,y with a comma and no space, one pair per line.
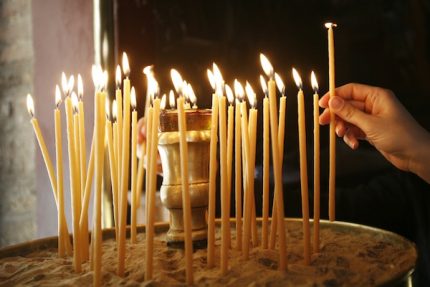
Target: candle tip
30,105
211,78
266,65
263,85
70,84
314,82
229,93
64,84
118,76
177,80
74,102
329,25
297,79
163,102
252,97
114,110
172,102
57,96
133,98
80,87
238,90
125,64
280,84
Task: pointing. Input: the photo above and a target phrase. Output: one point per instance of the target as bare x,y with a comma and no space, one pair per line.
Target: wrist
420,160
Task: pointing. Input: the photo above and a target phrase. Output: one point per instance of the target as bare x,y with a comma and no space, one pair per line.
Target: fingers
350,139
347,112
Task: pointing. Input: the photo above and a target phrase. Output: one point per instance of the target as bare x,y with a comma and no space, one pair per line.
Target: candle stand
198,139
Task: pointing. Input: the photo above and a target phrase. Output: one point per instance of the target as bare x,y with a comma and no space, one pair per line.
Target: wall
63,41
17,190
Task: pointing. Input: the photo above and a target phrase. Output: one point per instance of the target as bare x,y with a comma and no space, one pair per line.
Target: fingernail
336,103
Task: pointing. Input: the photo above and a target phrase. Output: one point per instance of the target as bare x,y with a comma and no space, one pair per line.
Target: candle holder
198,139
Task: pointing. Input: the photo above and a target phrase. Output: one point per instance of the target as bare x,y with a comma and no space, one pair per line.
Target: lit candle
225,212
118,96
303,168
239,93
277,168
266,163
112,163
59,187
99,122
62,224
152,178
74,184
76,142
133,230
281,136
124,165
82,164
252,136
186,204
332,86
212,173
316,164
230,125
246,166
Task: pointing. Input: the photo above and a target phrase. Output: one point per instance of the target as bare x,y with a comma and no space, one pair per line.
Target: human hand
375,114
141,138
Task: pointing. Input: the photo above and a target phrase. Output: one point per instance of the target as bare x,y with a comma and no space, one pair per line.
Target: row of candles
117,136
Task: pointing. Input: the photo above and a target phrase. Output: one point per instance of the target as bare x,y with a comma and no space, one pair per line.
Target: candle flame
192,96
280,84
118,76
163,102
30,105
297,79
149,70
97,75
229,93
185,91
107,108
177,80
238,90
80,87
172,100
252,97
114,110
211,78
133,98
153,87
64,84
314,82
266,65
71,84
57,96
263,85
329,25
74,101
219,81
125,65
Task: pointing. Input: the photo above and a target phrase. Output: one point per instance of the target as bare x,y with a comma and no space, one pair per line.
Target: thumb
348,112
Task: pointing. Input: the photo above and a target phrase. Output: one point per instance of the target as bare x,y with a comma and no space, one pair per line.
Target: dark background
381,43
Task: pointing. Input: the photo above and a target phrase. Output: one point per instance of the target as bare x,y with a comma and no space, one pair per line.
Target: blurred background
378,42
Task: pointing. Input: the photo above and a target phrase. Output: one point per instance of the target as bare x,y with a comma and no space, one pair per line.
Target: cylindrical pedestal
198,139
